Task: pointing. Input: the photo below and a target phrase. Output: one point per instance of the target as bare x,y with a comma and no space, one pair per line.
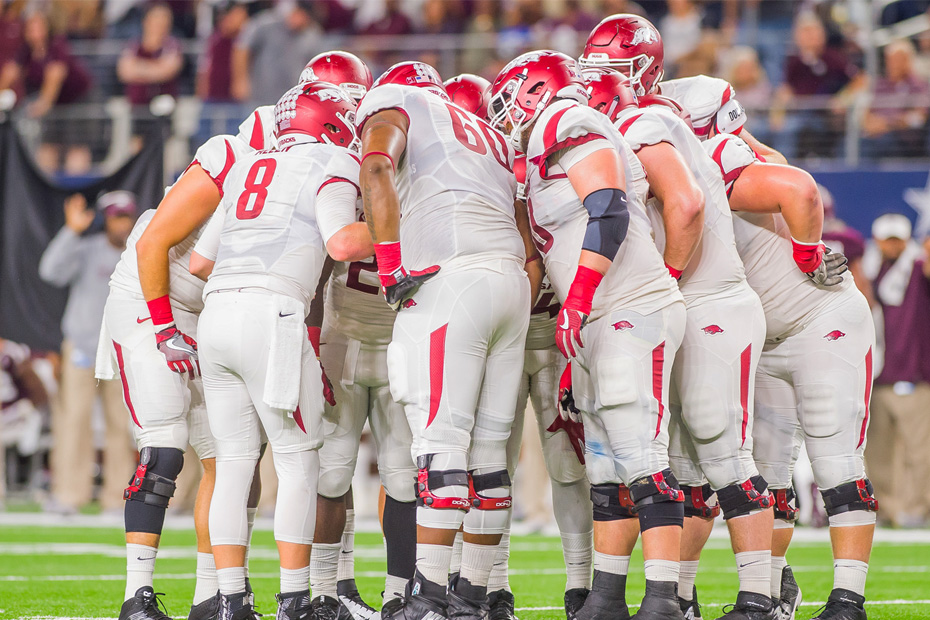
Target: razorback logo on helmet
330,94
622,326
835,335
712,330
644,34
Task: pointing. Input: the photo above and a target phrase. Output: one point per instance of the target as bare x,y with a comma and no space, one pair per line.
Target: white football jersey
455,182
715,265
273,232
216,157
789,298
257,131
710,101
541,333
637,280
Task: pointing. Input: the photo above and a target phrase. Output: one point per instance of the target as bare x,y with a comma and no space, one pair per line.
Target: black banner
31,213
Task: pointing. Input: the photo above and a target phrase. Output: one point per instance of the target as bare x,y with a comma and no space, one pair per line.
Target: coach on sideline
84,264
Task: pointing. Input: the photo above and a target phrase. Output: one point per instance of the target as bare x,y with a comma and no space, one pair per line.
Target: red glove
313,335
808,256
179,350
575,310
398,285
569,418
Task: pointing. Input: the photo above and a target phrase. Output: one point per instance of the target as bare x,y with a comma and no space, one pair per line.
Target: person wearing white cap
898,464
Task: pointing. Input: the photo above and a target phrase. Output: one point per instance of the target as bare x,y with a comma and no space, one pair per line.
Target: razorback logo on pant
712,330
834,335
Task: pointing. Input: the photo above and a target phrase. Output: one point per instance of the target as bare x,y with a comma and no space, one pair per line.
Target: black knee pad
479,483
696,502
612,502
856,495
429,481
659,501
786,505
151,488
746,497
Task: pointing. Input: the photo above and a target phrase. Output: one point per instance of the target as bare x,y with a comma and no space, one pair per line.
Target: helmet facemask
632,68
503,109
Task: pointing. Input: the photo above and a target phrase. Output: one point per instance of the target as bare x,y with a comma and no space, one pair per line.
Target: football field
59,570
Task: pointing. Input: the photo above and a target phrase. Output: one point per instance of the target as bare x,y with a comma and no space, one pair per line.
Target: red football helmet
667,102
471,92
610,92
630,44
413,73
316,112
341,68
527,85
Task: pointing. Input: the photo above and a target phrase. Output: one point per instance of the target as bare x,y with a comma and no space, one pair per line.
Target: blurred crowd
797,65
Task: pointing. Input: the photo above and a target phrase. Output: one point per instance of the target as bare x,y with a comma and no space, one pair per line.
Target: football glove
179,349
575,311
569,418
830,270
396,283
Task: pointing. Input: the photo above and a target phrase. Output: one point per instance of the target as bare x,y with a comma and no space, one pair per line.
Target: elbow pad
608,221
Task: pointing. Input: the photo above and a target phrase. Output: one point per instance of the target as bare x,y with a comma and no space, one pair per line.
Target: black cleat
205,610
606,600
294,605
143,606
351,605
789,601
466,601
750,606
423,600
691,610
237,606
660,602
324,608
501,606
574,601
391,607
842,605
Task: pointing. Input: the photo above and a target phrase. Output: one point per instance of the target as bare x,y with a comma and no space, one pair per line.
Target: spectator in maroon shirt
897,458
150,67
215,73
11,31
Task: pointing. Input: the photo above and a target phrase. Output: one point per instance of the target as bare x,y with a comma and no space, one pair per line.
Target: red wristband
378,153
581,293
808,256
160,311
313,335
388,256
676,273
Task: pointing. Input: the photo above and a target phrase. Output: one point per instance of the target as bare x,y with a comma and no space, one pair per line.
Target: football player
438,181
282,211
815,376
621,321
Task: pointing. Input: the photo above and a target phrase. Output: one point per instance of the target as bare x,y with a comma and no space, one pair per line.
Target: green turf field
78,573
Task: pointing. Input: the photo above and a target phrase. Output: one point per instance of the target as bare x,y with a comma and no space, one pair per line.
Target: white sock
850,575
393,587
614,564
498,580
250,525
455,563
477,561
686,577
754,569
347,553
433,562
231,580
578,551
295,580
324,562
206,584
778,565
140,567
660,570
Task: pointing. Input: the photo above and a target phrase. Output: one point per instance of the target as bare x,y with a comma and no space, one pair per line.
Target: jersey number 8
255,187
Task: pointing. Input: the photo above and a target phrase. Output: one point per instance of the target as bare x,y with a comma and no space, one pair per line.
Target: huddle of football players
617,248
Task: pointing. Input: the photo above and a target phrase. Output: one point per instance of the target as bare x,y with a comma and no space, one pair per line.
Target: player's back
270,237
710,101
637,278
715,267
455,182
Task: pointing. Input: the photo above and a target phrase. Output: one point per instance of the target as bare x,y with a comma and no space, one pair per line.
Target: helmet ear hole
331,128
535,88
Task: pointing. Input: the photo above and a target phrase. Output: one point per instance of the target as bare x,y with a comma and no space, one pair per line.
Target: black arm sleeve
608,221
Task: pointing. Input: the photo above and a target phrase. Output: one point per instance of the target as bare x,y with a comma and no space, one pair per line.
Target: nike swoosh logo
284,315
148,318
176,348
564,323
749,563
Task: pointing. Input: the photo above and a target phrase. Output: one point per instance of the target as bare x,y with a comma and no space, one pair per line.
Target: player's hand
567,409
77,216
830,270
179,349
313,335
400,286
568,329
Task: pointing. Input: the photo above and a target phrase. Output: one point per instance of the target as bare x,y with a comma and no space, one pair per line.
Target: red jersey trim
257,139
338,180
361,124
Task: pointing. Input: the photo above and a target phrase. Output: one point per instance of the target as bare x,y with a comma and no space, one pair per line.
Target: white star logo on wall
919,200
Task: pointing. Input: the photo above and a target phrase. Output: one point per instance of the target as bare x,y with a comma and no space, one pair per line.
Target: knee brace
153,482
744,498
612,502
659,501
479,483
856,495
430,481
786,505
696,502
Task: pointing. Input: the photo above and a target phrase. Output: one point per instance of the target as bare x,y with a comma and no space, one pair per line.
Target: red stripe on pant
125,382
299,419
437,362
658,364
868,397
745,362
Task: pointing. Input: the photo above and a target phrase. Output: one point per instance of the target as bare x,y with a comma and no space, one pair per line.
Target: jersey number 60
468,134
